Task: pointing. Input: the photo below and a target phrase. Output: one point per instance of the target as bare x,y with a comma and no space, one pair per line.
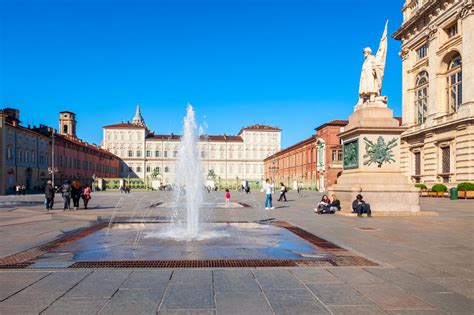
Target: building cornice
415,133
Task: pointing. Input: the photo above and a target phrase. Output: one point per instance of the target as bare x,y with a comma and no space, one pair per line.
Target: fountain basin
155,241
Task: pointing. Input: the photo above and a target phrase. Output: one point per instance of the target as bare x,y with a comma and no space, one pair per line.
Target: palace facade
437,54
231,157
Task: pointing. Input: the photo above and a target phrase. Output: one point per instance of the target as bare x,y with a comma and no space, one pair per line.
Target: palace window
175,154
139,153
167,169
422,52
421,96
148,169
454,77
452,30
148,153
417,163
139,169
445,160
165,153
157,153
130,153
203,154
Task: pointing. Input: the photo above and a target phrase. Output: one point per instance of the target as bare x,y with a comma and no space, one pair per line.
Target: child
227,198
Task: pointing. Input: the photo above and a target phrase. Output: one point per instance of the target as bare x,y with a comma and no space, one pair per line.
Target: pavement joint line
263,292
313,294
164,291
86,276
25,287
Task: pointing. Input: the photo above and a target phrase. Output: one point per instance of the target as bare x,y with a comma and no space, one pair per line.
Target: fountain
179,232
189,178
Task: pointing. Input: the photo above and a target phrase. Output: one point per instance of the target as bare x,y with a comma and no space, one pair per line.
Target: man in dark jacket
360,206
49,195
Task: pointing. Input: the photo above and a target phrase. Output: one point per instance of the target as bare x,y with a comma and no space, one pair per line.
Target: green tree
211,174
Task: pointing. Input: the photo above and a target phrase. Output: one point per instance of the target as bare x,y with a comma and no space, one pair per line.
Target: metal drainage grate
313,239
16,266
250,263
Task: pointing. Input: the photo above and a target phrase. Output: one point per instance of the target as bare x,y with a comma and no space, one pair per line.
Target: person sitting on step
359,206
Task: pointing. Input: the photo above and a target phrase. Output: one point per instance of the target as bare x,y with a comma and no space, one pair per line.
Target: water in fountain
189,176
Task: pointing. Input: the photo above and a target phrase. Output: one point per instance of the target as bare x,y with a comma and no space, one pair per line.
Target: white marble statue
373,68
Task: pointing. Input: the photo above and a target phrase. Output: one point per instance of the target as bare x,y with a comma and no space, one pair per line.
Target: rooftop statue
373,69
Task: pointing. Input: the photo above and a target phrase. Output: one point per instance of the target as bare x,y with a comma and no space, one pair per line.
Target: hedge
466,186
421,186
439,188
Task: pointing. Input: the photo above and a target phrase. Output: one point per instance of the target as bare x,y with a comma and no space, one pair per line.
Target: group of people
68,191
327,205
332,205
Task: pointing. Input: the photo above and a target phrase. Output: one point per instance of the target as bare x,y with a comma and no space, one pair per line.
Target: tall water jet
189,179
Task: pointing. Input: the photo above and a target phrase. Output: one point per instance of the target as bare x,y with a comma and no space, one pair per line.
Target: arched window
421,97
454,77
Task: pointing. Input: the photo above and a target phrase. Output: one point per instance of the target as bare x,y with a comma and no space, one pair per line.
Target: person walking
86,195
49,195
283,191
66,192
268,187
227,198
76,194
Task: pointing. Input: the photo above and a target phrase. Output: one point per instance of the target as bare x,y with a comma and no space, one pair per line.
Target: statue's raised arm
373,68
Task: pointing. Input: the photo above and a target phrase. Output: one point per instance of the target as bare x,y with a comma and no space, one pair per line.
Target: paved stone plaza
425,263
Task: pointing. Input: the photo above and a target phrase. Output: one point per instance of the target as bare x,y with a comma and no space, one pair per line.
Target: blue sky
288,63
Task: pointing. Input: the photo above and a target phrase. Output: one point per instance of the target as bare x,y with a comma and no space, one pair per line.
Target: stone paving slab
147,280
296,301
355,275
76,306
189,296
134,301
338,294
187,312
235,281
313,275
450,302
13,282
277,280
243,303
406,281
356,310
100,284
390,297
57,282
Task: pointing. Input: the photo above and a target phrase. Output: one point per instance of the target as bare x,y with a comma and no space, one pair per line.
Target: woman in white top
268,191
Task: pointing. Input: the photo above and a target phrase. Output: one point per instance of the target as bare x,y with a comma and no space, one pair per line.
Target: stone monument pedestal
371,147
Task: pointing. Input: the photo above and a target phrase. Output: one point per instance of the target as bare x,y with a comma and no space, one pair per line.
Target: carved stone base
371,145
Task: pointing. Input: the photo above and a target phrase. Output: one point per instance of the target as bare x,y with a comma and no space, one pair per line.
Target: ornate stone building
438,90
314,162
232,158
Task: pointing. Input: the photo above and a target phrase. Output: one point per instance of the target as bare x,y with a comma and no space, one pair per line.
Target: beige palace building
232,157
438,90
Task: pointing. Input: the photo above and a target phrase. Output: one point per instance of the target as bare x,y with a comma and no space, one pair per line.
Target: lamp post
273,168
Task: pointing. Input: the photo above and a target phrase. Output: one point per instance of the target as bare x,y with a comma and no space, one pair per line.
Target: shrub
439,188
466,186
421,186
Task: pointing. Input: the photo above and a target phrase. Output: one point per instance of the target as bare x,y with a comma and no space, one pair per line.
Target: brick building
314,162
76,159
